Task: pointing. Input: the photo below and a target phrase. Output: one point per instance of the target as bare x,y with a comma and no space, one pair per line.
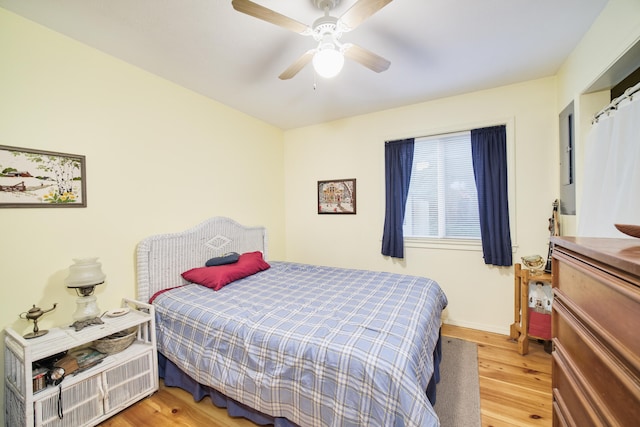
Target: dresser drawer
559,412
595,327
604,379
573,408
608,305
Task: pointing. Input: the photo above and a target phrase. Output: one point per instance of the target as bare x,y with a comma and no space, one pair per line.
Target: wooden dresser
596,332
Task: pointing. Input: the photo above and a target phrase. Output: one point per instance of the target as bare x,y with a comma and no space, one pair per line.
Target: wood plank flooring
515,390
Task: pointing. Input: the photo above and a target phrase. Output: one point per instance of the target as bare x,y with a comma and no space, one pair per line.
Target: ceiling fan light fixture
328,62
328,57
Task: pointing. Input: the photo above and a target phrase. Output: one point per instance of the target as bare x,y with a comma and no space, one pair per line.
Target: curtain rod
614,104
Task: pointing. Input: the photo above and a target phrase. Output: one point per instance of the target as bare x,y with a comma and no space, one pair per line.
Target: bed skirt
175,377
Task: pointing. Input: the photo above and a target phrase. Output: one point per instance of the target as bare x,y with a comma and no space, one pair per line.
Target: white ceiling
437,48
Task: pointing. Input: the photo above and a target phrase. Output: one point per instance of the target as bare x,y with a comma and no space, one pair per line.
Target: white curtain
611,190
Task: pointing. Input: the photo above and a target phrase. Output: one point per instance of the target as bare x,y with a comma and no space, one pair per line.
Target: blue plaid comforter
320,346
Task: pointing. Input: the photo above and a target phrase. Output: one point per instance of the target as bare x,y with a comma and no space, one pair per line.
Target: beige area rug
458,393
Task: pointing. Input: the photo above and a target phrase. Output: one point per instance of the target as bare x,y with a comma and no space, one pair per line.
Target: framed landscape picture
337,196
41,179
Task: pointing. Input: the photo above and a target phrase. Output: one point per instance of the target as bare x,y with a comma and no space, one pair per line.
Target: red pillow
219,276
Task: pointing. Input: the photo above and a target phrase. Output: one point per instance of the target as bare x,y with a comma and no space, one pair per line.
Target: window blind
442,201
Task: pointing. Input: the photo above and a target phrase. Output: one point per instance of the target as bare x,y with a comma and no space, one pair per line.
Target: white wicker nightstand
90,396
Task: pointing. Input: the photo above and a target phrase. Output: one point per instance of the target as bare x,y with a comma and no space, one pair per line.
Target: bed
291,344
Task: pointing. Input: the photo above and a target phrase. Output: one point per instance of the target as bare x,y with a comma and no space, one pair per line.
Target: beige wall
159,159
479,296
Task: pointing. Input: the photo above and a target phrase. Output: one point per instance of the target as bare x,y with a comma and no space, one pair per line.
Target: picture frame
337,196
32,178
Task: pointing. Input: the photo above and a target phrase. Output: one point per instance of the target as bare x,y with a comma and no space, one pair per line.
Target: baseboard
478,327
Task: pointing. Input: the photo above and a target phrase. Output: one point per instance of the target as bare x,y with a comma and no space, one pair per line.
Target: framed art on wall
41,179
337,196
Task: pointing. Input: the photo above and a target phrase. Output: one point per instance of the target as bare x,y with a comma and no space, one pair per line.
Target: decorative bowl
533,262
629,229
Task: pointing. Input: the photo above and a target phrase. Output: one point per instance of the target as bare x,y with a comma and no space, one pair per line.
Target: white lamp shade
84,272
328,62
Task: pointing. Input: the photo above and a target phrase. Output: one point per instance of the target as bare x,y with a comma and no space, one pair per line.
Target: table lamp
84,275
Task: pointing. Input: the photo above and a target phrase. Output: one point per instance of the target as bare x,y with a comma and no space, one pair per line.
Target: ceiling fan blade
366,58
360,11
268,15
298,65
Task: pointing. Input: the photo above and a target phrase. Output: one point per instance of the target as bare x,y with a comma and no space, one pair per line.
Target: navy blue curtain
489,153
398,161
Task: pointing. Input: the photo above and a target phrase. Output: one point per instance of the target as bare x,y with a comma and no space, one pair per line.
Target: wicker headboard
161,259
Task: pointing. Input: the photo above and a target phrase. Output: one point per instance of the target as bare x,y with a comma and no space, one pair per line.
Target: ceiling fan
328,56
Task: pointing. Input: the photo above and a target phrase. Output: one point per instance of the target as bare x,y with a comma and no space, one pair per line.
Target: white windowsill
454,244
450,244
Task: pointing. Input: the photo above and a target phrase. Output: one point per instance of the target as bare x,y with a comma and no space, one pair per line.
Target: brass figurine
34,314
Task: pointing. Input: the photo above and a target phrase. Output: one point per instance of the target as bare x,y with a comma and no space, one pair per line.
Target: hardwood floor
515,390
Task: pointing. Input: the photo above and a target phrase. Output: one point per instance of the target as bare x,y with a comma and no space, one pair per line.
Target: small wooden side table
519,328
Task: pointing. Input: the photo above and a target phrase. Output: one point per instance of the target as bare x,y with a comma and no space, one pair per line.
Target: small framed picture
337,196
41,179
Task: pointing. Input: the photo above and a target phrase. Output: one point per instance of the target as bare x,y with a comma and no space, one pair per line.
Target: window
442,201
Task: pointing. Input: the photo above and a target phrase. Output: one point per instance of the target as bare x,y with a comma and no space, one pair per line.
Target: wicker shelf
92,395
